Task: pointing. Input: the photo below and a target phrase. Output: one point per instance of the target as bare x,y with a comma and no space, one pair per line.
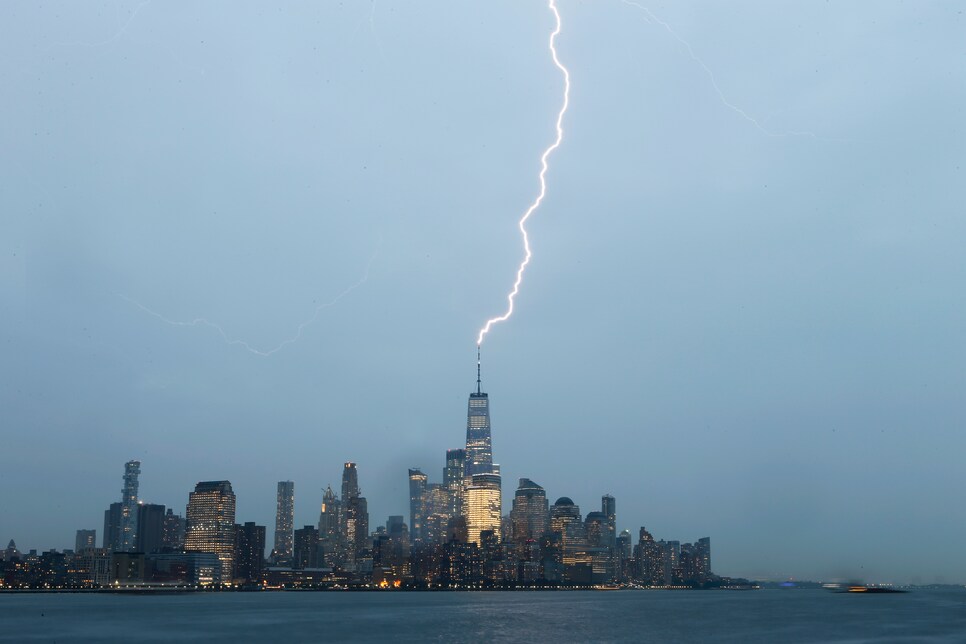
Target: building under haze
354,514
249,553
529,518
129,507
284,522
330,529
150,534
479,447
417,506
85,540
210,525
454,479
482,506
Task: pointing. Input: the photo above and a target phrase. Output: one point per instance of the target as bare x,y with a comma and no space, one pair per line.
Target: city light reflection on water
564,616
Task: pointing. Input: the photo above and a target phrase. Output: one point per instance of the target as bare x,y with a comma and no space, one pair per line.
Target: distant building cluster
457,537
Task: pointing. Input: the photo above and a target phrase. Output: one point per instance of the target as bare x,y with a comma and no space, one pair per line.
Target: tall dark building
112,528
417,506
150,522
172,533
284,522
305,552
249,553
355,513
608,505
85,540
529,518
211,524
454,479
479,448
350,481
330,529
129,506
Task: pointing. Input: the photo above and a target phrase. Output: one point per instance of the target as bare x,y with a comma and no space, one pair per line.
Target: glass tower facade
129,507
211,524
284,520
479,448
482,506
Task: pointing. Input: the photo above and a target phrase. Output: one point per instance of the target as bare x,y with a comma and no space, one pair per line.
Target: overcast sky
744,316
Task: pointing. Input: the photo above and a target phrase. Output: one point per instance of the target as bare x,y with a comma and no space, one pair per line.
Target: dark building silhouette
330,530
85,540
172,532
111,539
417,505
454,477
305,553
249,553
150,528
284,522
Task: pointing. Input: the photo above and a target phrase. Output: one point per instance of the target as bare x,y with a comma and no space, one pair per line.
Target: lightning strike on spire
246,345
552,4
714,83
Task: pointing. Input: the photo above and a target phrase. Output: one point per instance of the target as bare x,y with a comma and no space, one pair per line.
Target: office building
112,528
454,479
85,540
479,448
172,532
129,507
150,534
210,523
249,553
482,505
306,548
529,518
284,522
417,508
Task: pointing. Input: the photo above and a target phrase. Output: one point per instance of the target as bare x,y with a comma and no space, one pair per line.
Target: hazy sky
744,317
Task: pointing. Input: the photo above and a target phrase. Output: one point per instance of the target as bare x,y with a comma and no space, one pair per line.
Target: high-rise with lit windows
479,447
482,506
284,521
210,527
129,507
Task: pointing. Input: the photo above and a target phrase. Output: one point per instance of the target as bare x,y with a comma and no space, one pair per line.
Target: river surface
641,616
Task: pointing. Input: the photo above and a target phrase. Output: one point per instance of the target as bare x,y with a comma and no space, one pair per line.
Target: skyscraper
417,507
355,513
150,532
129,506
306,548
172,533
529,518
608,505
482,506
249,553
211,523
112,527
454,479
479,448
330,529
284,521
350,481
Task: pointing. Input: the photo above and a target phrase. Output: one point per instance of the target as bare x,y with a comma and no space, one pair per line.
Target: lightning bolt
552,4
248,347
714,82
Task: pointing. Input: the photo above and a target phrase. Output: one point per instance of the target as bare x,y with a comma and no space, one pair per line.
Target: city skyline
253,245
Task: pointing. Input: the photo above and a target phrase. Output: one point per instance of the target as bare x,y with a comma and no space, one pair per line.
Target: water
653,616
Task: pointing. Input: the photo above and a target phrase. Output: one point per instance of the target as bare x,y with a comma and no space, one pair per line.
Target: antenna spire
478,387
